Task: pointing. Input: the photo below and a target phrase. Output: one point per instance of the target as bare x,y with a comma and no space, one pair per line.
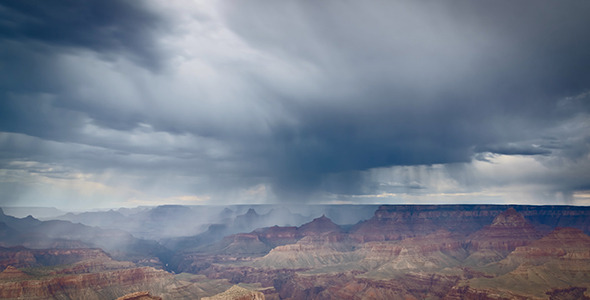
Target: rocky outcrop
562,243
318,226
394,222
321,242
242,274
251,219
551,217
440,241
261,241
139,296
507,231
85,286
309,252
13,274
558,261
21,257
277,236
468,293
35,234
237,293
435,251
568,293
347,285
73,273
50,257
418,252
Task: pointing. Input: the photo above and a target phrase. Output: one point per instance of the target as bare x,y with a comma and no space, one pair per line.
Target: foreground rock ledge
237,293
139,296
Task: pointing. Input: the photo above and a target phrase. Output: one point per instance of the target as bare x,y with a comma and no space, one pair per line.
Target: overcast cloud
125,103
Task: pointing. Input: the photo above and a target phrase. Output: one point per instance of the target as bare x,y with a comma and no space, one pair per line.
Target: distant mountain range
174,221
272,252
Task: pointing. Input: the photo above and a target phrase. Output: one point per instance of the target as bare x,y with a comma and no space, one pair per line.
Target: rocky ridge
237,293
402,252
139,296
409,254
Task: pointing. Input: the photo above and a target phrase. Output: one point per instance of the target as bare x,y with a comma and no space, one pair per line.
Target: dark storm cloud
303,96
102,26
35,87
430,82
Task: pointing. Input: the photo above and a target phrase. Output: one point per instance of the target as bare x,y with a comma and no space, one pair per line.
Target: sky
109,103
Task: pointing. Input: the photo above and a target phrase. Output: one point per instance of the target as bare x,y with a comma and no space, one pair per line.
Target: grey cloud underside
386,83
431,83
103,26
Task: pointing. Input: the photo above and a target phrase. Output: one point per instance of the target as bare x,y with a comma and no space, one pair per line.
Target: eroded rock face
84,286
402,254
139,296
18,257
554,263
403,221
394,222
13,274
22,257
568,293
73,273
425,253
468,293
330,248
276,235
510,218
562,243
242,274
507,231
348,285
237,293
318,226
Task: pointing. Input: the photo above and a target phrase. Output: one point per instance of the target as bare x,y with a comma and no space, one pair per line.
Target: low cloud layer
109,103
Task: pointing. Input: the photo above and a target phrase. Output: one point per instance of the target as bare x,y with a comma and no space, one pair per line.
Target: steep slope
557,261
277,236
21,257
493,242
18,257
73,273
237,293
262,240
430,253
551,217
394,222
564,244
413,252
11,273
32,233
109,284
92,274
313,251
347,285
318,226
139,296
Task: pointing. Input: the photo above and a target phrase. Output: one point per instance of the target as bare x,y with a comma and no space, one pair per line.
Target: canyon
401,252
